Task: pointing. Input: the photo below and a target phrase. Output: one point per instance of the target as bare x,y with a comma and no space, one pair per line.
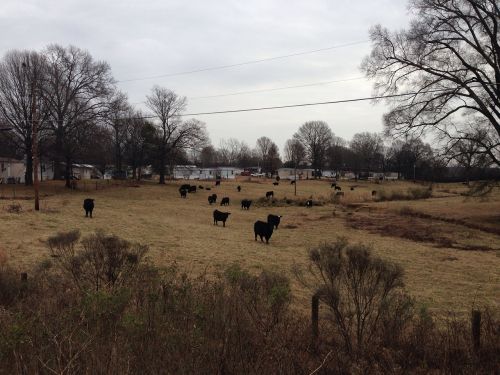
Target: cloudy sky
158,38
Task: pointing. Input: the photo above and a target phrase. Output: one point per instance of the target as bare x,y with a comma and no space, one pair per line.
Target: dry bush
360,290
14,208
409,194
162,321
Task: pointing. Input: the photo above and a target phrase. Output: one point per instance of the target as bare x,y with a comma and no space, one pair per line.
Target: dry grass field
448,245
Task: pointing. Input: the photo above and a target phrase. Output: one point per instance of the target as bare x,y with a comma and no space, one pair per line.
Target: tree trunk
57,154
28,175
162,165
68,172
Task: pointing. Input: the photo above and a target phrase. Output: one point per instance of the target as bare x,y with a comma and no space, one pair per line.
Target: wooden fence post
315,319
476,329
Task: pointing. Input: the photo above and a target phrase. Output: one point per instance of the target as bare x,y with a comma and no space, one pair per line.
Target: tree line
440,79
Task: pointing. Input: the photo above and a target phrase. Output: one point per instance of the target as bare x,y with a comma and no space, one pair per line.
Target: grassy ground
455,265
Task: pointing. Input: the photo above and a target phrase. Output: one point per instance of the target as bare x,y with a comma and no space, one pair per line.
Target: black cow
200,187
309,203
274,220
220,216
352,188
183,193
333,185
208,188
338,188
246,203
270,194
224,201
263,230
88,206
212,198
192,189
217,183
276,183
374,192
238,188
292,182
185,187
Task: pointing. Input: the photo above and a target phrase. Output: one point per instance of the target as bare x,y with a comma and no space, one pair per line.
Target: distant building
11,171
289,173
192,172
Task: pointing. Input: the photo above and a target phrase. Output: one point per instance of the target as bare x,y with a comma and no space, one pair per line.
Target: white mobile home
11,171
192,172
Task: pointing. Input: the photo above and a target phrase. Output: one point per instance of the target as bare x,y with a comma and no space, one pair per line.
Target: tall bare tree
76,91
21,77
316,137
173,133
295,153
119,118
369,151
268,153
449,59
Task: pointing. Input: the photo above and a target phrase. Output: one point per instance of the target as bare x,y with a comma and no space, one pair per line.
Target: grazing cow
212,198
220,216
374,192
200,187
192,189
276,183
88,206
238,188
217,183
270,194
338,188
292,182
352,188
309,203
208,188
185,187
183,193
333,185
224,201
263,230
245,204
274,220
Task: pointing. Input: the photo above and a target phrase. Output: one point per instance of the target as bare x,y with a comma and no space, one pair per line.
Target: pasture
448,244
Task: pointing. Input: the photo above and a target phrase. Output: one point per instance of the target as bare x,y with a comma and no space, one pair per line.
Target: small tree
359,289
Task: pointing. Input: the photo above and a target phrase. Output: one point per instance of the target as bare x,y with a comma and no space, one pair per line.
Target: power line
220,67
276,88
270,89
309,104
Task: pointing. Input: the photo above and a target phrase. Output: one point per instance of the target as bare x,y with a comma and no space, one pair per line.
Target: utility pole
34,138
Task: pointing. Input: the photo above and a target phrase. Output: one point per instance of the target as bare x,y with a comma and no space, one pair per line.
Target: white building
192,172
11,171
289,173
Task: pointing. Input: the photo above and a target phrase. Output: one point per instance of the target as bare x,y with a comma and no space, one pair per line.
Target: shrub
361,291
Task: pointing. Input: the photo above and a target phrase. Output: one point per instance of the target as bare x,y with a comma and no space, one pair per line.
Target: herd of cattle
262,229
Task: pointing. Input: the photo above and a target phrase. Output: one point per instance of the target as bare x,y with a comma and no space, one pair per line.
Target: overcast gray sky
154,37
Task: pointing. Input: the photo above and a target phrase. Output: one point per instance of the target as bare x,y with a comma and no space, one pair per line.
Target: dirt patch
290,226
414,228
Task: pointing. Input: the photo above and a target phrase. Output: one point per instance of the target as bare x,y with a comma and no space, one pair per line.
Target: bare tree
369,150
449,59
21,75
316,137
295,153
268,154
76,92
229,150
119,119
173,133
